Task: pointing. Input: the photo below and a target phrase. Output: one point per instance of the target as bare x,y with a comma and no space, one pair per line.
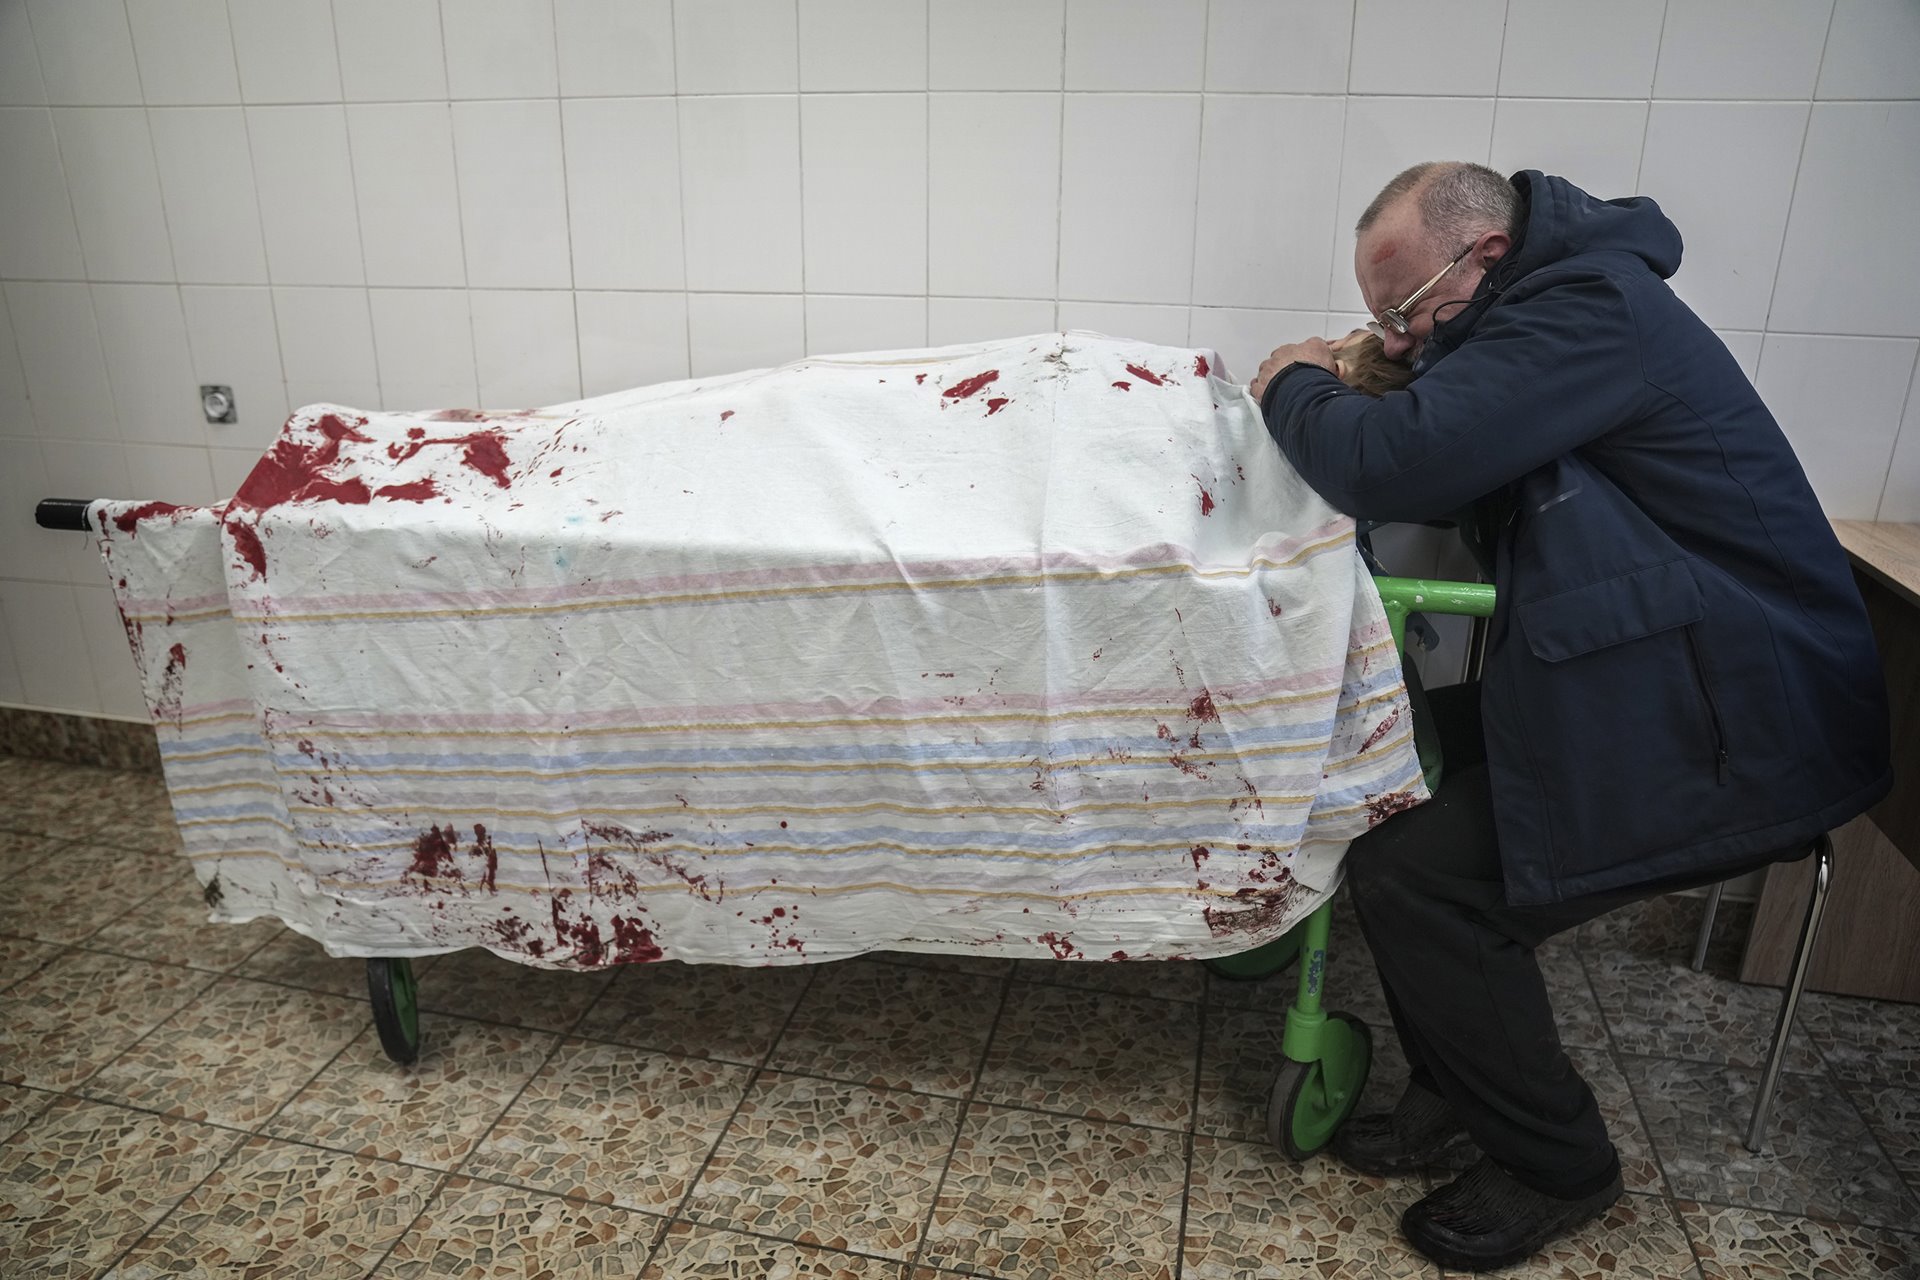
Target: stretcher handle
63,513
1402,596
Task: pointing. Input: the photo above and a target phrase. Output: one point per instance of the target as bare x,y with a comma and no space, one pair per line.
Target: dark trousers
1461,980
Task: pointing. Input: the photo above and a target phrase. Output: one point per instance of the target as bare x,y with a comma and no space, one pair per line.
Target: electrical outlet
217,404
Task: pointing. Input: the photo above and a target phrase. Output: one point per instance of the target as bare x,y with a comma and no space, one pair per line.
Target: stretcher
1031,648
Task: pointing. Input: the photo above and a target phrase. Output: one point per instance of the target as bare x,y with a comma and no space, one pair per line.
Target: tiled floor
183,1099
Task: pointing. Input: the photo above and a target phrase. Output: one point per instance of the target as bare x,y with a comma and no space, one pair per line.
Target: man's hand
1312,351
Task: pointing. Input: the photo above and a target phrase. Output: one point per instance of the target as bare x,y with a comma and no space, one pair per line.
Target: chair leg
1790,1003
1706,927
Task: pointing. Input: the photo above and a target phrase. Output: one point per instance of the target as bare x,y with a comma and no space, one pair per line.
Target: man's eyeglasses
1395,318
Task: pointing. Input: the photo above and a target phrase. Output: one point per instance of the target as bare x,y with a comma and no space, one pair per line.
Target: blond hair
1366,368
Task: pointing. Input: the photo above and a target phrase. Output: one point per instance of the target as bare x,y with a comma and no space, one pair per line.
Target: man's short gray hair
1458,201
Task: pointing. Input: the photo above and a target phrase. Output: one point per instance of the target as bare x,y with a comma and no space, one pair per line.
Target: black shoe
1422,1129
1484,1219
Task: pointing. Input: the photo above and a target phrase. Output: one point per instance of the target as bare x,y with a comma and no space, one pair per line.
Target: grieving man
1680,683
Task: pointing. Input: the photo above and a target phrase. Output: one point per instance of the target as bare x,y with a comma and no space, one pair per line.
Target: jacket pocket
1611,612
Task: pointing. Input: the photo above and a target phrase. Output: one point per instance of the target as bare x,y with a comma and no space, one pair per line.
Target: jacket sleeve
1539,377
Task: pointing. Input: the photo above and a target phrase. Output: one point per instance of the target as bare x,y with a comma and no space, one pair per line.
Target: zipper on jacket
1713,706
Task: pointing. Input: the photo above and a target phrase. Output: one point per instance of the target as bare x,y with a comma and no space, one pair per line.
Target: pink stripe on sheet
905,573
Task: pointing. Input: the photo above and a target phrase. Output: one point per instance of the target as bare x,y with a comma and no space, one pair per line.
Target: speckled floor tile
1664,1009
1252,1212
891,1026
1667,928
609,1123
1893,1117
1091,1054
285,1211
478,984
952,961
20,851
62,1024
295,960
1165,979
1865,1041
1747,1244
19,1104
431,1113
144,822
75,889
707,1010
1639,1166
695,1252
1576,1013
1244,1051
83,1181
484,1231
1820,1160
60,800
1639,1237
233,1055
1042,1197
172,927
21,958
828,1163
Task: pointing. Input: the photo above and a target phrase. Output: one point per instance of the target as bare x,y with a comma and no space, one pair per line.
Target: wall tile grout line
1793,190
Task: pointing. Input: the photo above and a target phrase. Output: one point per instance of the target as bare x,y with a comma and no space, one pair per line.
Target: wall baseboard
75,739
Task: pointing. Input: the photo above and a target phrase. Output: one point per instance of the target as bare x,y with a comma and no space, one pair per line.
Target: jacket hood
1563,220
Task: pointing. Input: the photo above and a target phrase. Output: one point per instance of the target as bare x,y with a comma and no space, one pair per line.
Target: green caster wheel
396,1008
1309,1101
1263,961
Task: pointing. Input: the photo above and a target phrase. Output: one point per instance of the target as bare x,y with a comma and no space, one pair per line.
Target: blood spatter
214,894
1062,948
1273,607
1206,499
126,521
1199,853
1163,733
968,386
1265,907
1146,375
513,931
1380,808
167,705
1200,367
919,378
725,414
1381,730
483,848
1124,386
996,404
1202,708
641,843
450,415
247,542
1118,955
414,491
433,853
633,943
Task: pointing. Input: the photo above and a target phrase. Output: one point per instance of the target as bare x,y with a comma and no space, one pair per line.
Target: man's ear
1495,247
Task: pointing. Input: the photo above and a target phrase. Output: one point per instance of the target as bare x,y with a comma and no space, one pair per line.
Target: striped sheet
861,653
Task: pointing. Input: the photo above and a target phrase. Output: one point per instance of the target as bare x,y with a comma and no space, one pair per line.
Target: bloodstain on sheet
725,414
433,853
1381,731
484,451
1380,808
1124,386
126,521
414,491
1202,708
996,404
641,843
1062,948
1273,607
483,848
582,935
969,386
1199,853
1206,499
633,943
167,705
1200,367
453,415
1264,908
919,378
1146,375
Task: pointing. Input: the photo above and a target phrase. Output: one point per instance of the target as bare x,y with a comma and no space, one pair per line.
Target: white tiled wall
410,203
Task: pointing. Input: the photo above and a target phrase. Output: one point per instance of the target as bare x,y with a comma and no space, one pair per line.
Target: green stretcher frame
1335,1051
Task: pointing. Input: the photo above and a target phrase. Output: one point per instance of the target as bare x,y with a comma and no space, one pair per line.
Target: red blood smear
1206,501
1273,607
291,472
168,703
248,544
1384,728
1154,378
488,456
1202,708
968,386
996,404
433,852
727,414
415,433
1199,853
1118,955
126,520
1062,948
453,415
1380,808
483,847
919,378
1124,386
555,472
1200,367
633,943
417,491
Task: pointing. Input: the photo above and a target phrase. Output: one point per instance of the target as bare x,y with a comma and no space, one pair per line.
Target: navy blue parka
1680,676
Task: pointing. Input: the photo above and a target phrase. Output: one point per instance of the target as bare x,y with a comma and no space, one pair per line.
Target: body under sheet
1032,648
